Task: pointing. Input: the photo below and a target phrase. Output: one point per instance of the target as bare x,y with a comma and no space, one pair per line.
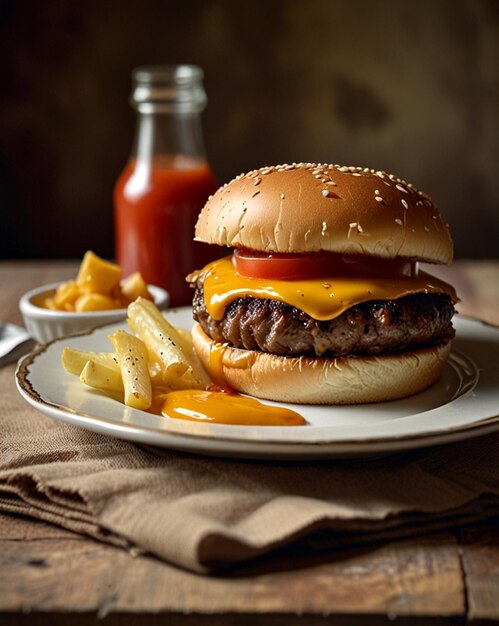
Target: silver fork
13,343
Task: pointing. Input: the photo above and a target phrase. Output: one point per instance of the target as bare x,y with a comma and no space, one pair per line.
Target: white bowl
45,324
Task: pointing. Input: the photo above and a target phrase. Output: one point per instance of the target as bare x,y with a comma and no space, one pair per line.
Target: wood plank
54,571
228,619
45,570
480,558
17,277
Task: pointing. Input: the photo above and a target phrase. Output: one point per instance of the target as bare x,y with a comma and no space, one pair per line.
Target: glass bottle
166,181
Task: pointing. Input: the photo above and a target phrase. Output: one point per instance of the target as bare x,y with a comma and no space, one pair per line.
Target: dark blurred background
409,86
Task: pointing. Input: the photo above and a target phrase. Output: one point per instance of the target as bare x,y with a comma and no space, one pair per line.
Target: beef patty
414,321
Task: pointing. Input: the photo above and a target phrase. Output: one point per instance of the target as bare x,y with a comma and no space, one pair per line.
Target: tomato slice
278,266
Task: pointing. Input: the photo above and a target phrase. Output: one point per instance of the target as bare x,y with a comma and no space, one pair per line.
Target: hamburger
321,300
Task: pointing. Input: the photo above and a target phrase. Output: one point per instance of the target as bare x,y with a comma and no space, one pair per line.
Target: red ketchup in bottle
166,182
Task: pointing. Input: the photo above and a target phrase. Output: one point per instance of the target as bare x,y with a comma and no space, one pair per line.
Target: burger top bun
309,207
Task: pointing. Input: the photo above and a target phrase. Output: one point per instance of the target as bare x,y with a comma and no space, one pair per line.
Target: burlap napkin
204,513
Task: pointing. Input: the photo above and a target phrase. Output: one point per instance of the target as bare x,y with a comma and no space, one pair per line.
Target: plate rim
52,409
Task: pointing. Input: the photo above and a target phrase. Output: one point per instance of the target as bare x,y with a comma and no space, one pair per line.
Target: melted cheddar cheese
321,298
223,408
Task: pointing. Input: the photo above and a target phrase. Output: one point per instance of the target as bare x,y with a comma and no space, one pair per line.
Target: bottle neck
176,138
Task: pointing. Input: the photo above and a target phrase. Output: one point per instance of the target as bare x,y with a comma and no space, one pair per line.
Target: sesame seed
282,196
353,225
434,217
378,199
257,181
255,194
356,174
324,228
325,193
427,229
359,228
399,221
400,188
406,206
376,192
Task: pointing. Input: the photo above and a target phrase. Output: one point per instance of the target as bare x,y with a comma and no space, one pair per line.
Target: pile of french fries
97,287
156,359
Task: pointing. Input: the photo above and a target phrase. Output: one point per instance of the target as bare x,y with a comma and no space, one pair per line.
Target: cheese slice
321,298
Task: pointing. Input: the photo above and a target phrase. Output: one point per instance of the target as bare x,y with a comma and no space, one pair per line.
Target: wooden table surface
51,576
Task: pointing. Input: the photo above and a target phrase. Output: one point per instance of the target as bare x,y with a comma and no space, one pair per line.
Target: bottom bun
305,380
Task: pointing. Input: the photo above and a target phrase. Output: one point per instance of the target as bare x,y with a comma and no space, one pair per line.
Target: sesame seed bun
308,207
342,380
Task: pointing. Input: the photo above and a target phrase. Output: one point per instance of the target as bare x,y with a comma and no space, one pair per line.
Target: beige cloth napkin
203,513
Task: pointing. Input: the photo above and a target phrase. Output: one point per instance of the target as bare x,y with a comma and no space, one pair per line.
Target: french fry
94,302
101,377
74,361
132,357
97,275
97,287
180,368
185,340
48,303
133,287
66,295
161,358
148,323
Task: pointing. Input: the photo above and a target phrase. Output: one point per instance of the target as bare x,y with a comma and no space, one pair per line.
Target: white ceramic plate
463,403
